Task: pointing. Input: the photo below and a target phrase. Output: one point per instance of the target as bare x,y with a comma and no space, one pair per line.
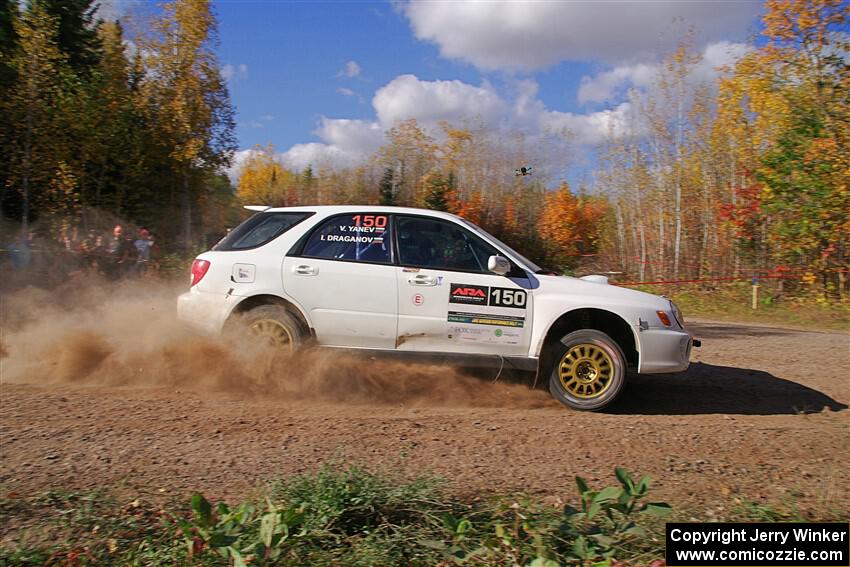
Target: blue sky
322,80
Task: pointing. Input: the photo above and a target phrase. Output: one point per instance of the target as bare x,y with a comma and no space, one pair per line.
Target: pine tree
436,191
77,33
387,189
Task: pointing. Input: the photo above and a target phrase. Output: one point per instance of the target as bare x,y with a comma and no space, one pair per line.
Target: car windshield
527,264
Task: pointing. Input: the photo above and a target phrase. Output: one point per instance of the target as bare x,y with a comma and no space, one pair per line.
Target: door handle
422,279
304,270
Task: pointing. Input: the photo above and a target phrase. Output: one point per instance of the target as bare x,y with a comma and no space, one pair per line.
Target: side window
258,230
362,237
429,243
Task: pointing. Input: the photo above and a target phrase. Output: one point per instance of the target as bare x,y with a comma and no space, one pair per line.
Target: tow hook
696,343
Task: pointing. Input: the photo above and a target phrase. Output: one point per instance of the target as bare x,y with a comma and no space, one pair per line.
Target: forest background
705,182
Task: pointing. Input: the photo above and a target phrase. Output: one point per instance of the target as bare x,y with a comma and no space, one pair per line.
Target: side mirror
499,265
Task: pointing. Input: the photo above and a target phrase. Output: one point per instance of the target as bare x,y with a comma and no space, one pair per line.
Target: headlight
677,314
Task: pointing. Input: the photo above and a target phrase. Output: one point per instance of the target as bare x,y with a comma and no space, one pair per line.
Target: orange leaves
557,223
471,208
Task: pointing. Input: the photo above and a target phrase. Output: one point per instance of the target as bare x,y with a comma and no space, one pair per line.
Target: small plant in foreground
346,517
608,518
523,533
241,535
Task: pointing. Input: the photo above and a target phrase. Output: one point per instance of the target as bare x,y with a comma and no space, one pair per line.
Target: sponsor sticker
418,299
485,319
484,335
243,273
468,294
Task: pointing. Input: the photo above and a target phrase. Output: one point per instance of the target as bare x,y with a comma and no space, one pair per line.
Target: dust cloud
126,335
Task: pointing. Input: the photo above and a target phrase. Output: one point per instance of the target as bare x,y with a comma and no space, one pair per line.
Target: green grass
348,516
338,516
733,302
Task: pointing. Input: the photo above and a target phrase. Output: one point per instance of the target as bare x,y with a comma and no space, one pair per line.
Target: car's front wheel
588,370
276,326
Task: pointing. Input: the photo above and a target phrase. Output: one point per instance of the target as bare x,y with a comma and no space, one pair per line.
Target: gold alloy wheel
586,371
274,332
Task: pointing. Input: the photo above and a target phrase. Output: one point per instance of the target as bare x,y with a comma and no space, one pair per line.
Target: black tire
276,325
588,370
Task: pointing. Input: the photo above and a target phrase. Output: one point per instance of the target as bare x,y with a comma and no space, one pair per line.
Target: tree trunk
186,206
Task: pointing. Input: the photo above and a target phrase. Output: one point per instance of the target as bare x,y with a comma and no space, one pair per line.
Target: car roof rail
258,208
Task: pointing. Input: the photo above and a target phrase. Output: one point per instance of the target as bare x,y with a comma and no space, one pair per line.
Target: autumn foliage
741,175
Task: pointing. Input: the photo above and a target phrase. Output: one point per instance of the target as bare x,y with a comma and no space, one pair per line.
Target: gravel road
760,416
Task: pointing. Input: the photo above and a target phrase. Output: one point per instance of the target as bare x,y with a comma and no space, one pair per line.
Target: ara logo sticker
468,294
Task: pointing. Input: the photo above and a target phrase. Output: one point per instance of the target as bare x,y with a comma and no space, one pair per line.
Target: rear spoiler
258,208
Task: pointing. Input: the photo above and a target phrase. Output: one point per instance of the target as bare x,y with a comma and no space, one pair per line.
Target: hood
597,287
595,279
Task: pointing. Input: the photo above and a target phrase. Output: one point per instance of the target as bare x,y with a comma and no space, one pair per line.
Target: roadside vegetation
339,516
350,516
746,174
732,301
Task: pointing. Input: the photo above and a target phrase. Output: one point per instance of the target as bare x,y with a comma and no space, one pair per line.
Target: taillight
199,270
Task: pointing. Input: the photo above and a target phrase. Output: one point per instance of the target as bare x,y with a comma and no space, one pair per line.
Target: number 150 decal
508,297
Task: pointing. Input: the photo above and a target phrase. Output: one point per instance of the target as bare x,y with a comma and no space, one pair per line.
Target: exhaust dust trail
127,335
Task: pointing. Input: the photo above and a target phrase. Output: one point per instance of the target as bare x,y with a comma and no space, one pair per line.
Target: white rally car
421,282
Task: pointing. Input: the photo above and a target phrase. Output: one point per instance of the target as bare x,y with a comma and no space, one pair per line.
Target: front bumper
664,350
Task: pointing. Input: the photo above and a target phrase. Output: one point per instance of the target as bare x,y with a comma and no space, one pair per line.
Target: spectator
20,252
92,249
143,245
118,254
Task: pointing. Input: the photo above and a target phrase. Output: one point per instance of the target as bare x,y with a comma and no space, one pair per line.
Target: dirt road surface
760,416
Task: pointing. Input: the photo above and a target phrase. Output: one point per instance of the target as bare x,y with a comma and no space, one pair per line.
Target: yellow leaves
264,181
183,88
802,20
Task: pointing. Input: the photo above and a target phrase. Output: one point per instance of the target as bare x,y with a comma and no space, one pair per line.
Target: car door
448,300
344,279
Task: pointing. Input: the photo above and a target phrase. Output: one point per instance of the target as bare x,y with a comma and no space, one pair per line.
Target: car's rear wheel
588,370
276,326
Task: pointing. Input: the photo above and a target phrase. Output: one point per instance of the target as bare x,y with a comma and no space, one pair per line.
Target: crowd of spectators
115,255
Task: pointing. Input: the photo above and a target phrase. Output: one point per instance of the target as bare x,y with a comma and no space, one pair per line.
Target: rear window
258,230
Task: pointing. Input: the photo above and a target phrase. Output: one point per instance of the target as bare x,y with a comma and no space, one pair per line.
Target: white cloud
531,116
239,159
350,69
111,10
346,92
258,123
344,142
230,72
314,154
611,85
432,101
524,36
588,129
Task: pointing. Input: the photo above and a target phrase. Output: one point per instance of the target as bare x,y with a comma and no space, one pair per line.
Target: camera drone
522,171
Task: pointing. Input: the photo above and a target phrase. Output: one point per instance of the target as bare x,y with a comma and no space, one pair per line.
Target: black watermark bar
758,544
